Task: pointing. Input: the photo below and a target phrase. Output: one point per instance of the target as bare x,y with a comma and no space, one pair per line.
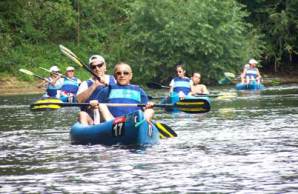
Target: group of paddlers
113,89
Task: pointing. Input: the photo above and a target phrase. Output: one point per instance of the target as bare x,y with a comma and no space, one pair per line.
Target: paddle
165,131
76,59
196,95
57,74
33,74
155,85
228,77
186,105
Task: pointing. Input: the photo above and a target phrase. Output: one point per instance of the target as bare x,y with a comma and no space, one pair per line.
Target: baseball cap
69,68
54,68
97,57
253,61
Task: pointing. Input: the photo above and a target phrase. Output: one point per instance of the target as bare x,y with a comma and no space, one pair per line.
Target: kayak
174,98
250,86
131,129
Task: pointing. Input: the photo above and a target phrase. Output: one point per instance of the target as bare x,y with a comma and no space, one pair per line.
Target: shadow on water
247,143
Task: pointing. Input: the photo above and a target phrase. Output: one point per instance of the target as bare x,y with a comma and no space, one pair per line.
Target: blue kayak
131,129
174,98
250,86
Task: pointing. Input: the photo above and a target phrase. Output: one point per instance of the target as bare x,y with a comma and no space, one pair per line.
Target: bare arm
83,96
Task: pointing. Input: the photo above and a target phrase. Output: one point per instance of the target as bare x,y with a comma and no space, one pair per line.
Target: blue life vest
251,72
181,84
98,90
70,86
130,94
52,89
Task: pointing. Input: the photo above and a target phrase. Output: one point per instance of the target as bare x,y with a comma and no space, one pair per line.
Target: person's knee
148,114
83,117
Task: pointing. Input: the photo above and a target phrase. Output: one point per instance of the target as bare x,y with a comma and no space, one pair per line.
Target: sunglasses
70,71
122,73
98,65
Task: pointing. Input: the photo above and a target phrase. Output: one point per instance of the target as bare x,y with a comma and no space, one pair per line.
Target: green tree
278,21
209,36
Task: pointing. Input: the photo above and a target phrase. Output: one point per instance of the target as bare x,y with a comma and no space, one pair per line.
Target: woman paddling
53,84
70,85
252,73
180,85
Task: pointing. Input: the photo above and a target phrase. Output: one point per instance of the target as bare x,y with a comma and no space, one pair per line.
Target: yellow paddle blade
70,55
26,71
229,75
161,136
193,105
165,131
40,104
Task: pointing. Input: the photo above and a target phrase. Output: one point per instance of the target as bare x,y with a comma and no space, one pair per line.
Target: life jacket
130,94
97,91
52,89
251,72
181,84
70,86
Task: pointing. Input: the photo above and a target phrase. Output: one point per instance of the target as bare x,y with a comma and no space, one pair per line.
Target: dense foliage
208,36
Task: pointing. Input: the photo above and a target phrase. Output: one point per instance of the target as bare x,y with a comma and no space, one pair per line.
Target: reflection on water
248,143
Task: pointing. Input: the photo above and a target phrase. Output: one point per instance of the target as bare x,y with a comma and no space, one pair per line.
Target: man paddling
121,92
90,89
196,87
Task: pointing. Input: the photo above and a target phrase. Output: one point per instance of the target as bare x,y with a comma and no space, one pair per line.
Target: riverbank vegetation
208,36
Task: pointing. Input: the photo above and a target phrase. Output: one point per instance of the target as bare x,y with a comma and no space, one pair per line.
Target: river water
247,143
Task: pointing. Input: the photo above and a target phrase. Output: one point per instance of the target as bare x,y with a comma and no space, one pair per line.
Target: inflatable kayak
131,129
250,86
174,98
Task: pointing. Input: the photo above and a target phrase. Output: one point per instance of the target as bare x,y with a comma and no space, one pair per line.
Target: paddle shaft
201,106
33,74
57,74
107,104
76,59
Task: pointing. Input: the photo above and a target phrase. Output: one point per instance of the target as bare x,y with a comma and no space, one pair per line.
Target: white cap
252,61
69,68
97,57
54,68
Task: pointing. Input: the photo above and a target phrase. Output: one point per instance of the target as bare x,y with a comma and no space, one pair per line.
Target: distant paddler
252,73
180,85
70,84
53,84
196,87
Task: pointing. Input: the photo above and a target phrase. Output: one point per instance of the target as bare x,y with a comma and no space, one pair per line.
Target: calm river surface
246,144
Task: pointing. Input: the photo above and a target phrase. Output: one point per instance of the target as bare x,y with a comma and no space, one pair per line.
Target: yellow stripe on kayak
47,100
36,107
161,136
